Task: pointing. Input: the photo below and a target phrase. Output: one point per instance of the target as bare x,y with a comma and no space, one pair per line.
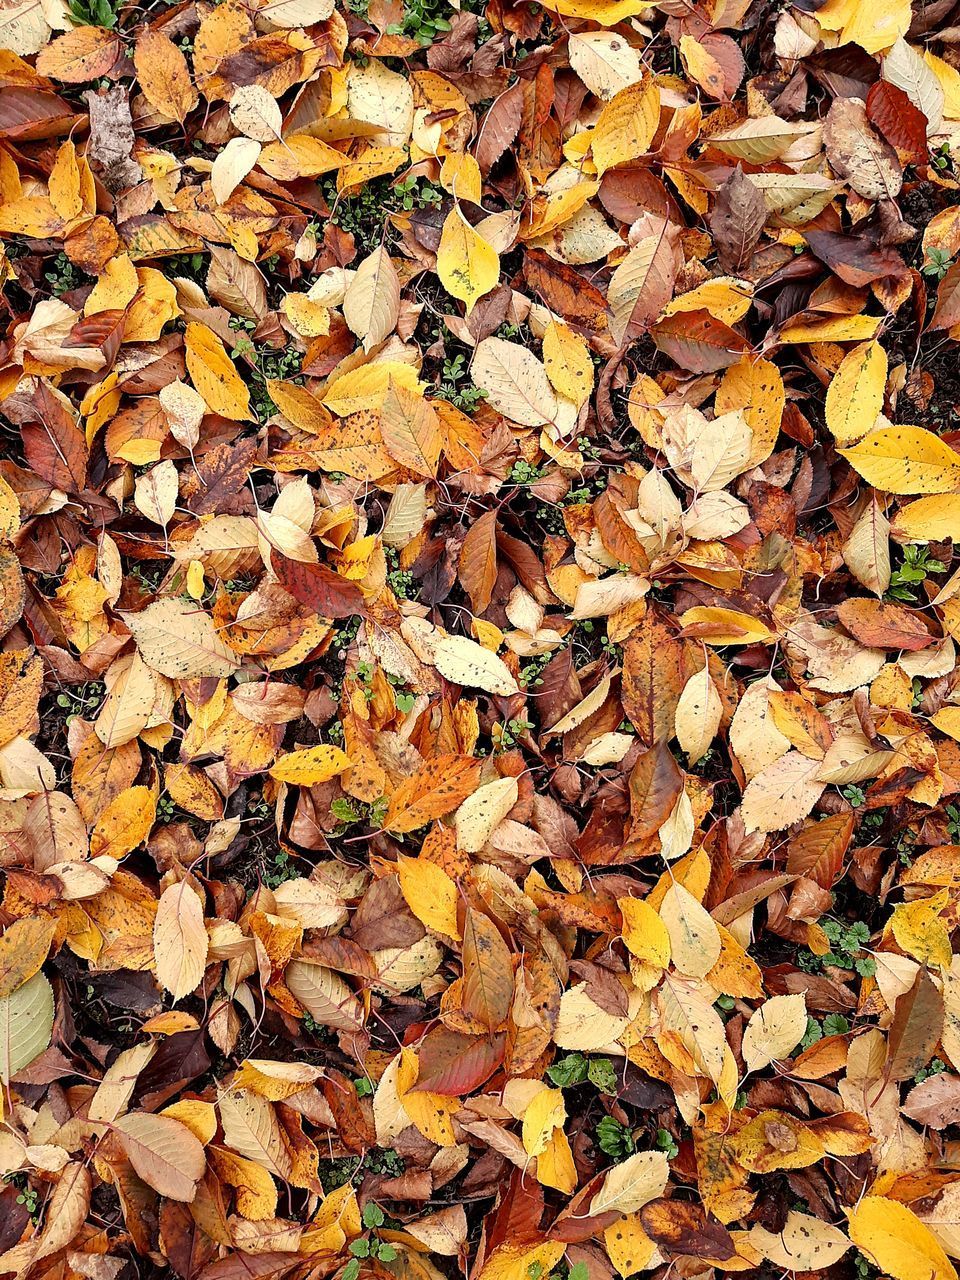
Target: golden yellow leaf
897,1241
124,824
163,75
430,894
906,460
468,266
919,930
214,375
566,358
626,125
310,766
644,932
855,394
544,1113
932,519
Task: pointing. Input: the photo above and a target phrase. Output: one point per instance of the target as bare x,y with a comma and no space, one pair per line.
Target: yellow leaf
644,932
626,125
460,175
514,1262
214,376
24,947
726,626
64,184
467,265
275,1081
832,329
947,720
628,1246
906,460
876,27
932,519
774,1030
364,388
919,930
199,1117
566,358
545,1113
411,430
430,894
429,1112
313,765
855,394
195,582
164,76
124,824
702,67
555,1166
897,1241
115,287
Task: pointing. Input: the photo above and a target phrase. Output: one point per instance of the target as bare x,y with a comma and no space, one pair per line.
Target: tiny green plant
576,1068
280,870
847,947
834,1024
507,735
62,275
455,386
665,1142
937,264
614,1138
369,1246
942,158
522,472
917,563
93,13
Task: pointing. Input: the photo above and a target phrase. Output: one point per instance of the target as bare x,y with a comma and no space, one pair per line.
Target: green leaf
26,1023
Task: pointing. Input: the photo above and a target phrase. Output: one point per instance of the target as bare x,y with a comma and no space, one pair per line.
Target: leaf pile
479,697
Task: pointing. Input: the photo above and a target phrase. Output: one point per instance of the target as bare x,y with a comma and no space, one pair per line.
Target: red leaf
318,587
455,1064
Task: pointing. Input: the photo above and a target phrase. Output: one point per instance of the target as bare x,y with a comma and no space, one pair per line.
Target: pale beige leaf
251,1128
467,663
481,813
324,995
604,61
698,715
633,1183
231,167
515,381
866,552
166,1155
695,943
372,301
782,793
774,1030
256,113
155,492
177,639
755,739
119,1081
184,408
180,940
582,1025
803,1243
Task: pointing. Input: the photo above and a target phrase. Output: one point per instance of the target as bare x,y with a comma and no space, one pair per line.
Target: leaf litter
479,701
